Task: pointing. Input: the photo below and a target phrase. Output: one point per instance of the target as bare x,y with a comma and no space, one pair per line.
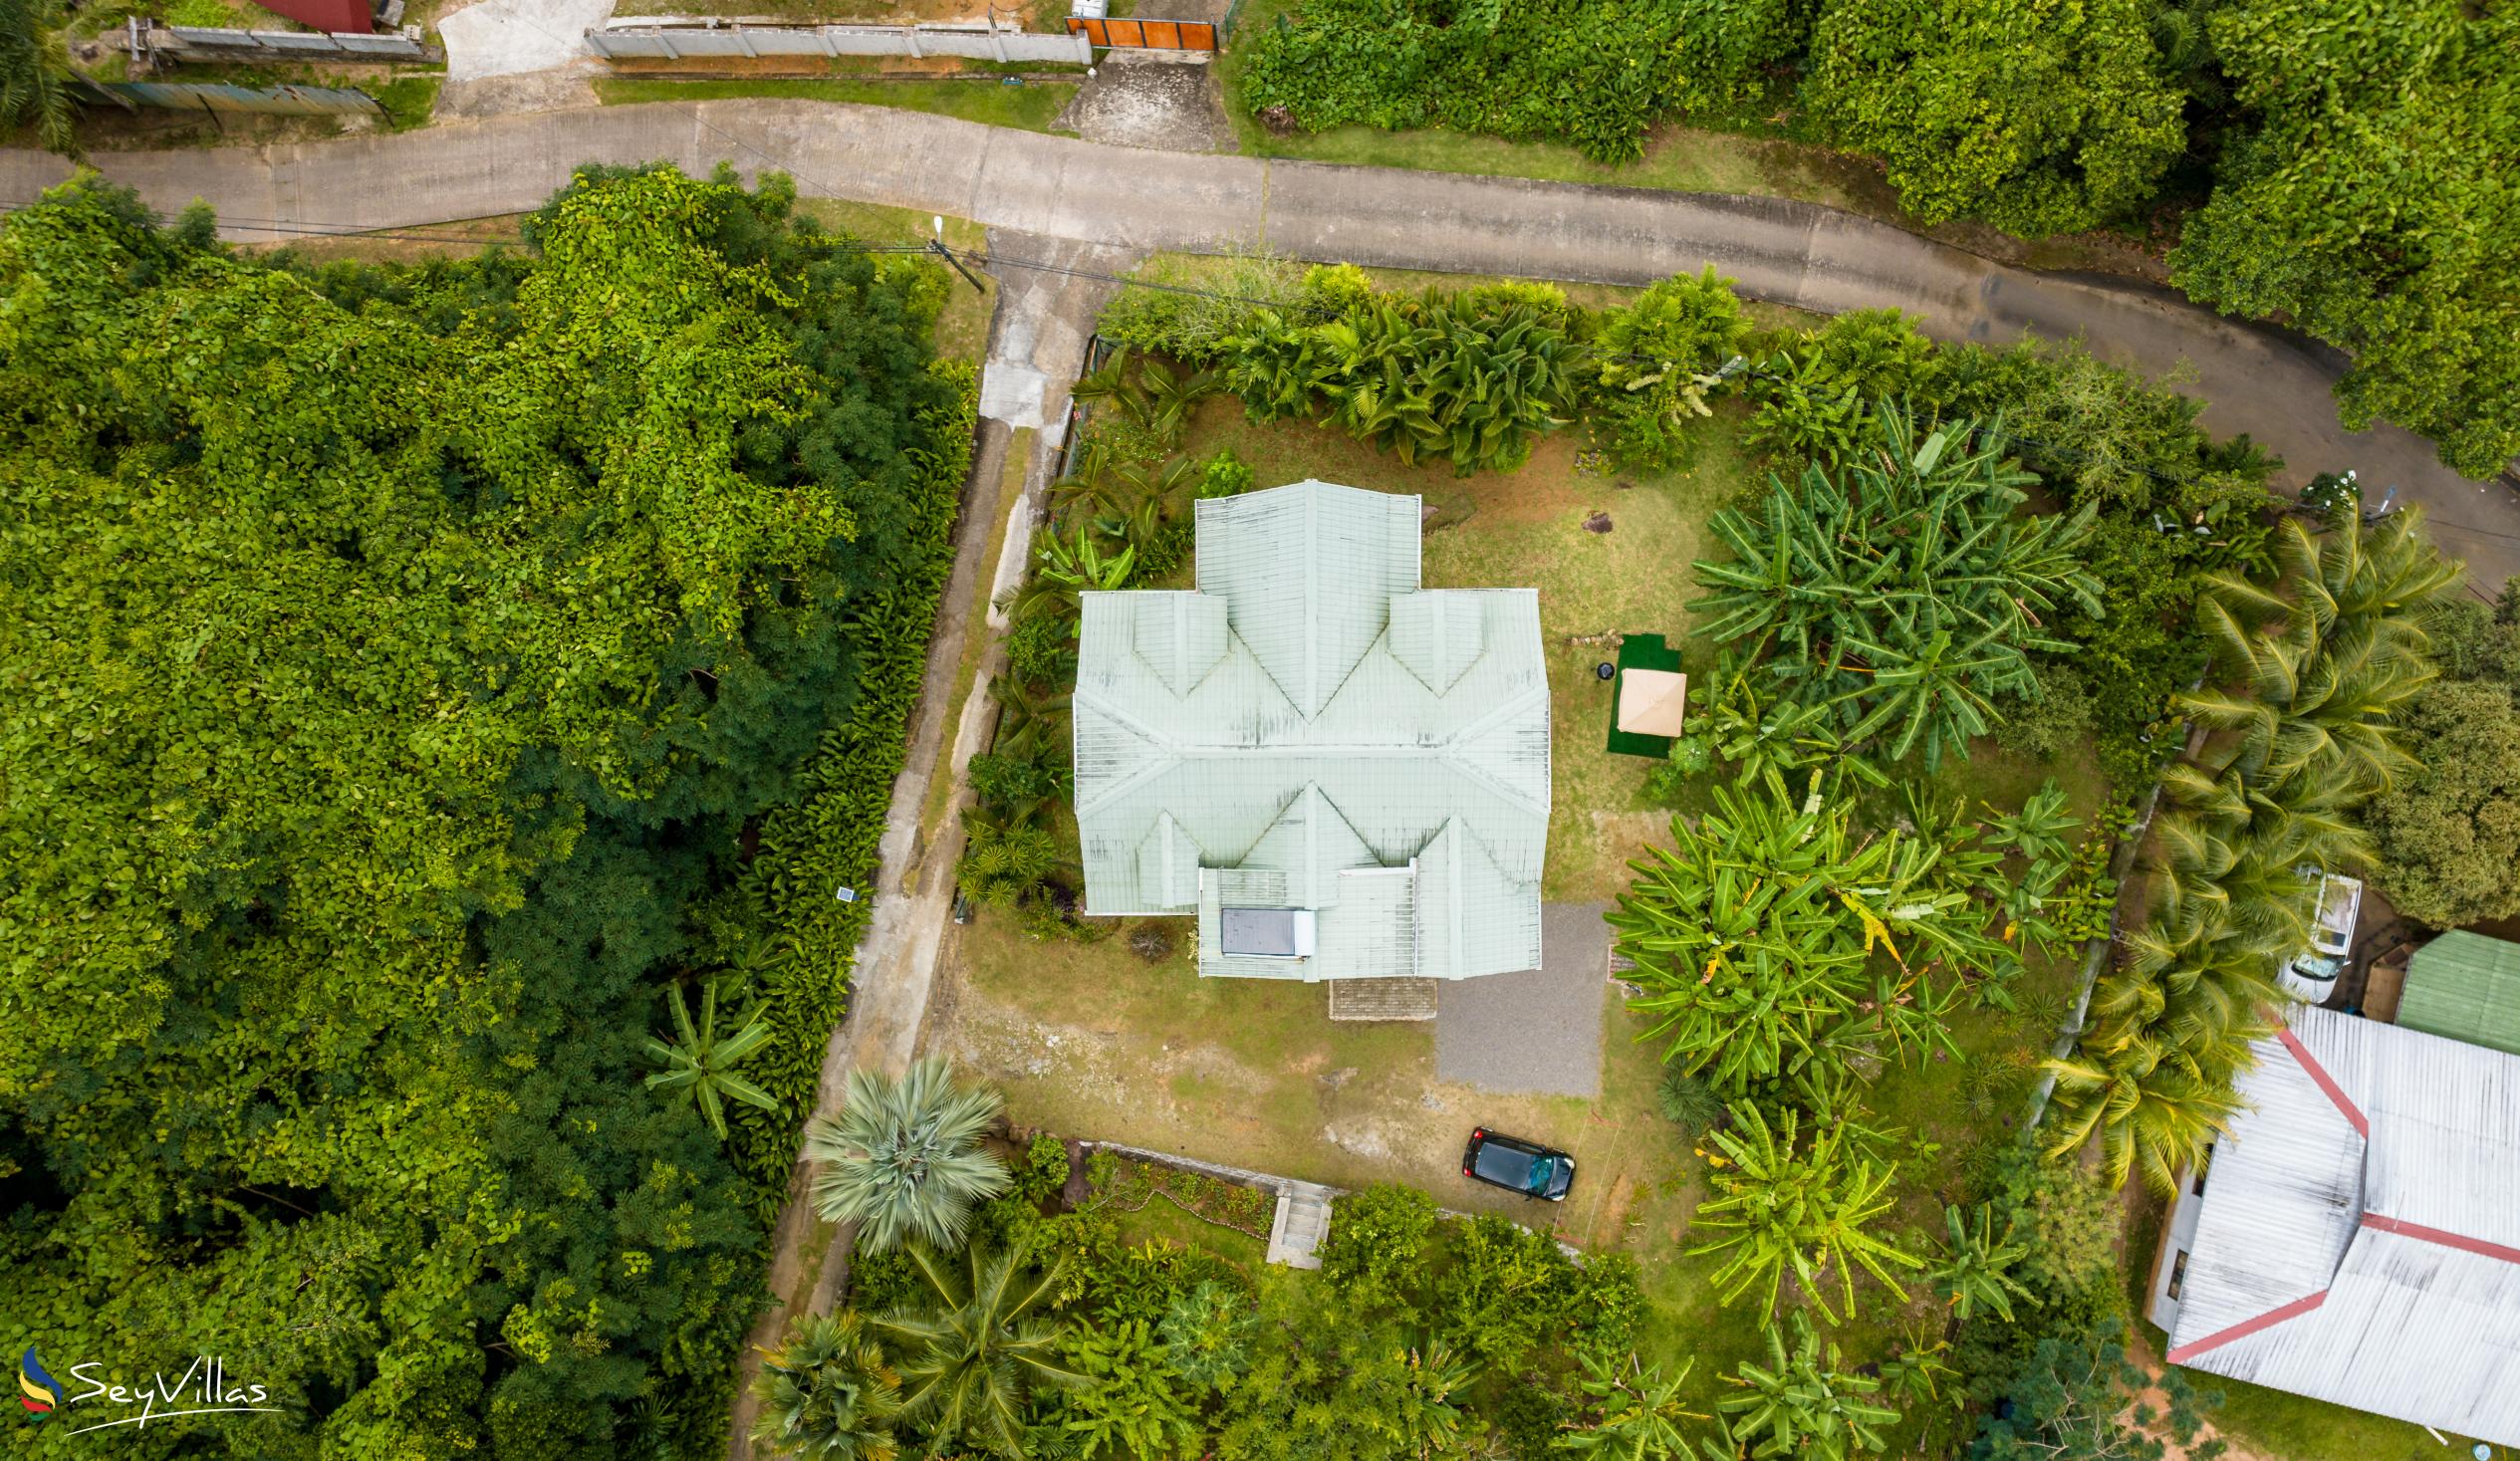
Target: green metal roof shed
2465,986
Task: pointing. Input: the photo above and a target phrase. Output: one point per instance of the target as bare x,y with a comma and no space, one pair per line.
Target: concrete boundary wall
224,45
633,42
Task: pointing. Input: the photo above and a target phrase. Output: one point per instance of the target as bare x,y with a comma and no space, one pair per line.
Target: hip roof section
2360,1235
1313,722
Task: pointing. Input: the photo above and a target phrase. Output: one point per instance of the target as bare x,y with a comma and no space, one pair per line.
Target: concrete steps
1382,999
1303,1220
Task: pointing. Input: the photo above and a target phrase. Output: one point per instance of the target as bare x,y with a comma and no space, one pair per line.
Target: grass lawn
984,98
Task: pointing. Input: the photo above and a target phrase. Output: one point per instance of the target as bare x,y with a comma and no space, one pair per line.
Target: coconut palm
2154,1112
827,1395
35,73
905,1159
704,1064
971,1352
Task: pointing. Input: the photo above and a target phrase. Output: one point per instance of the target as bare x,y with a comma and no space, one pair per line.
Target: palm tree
904,1159
704,1064
973,1354
827,1395
1803,1403
2152,1110
33,73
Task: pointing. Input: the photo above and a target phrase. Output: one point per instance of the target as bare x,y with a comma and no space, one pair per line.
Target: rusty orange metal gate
1146,35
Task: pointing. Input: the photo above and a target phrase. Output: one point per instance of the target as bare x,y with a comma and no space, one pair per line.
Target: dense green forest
2337,165
423,685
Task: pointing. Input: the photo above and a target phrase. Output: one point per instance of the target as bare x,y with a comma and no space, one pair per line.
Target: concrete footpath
2261,381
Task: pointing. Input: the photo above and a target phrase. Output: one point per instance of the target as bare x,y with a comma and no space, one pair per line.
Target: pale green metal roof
1309,729
2465,986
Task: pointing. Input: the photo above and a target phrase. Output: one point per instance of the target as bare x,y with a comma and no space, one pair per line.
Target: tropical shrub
1556,70
1655,358
903,1159
1126,1400
1191,303
2041,117
1905,590
1505,1289
1420,377
1687,1100
456,622
1374,1253
2446,842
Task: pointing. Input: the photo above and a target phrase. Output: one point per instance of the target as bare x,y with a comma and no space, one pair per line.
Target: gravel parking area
1539,1031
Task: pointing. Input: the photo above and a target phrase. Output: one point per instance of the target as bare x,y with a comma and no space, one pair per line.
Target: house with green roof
2465,986
1339,772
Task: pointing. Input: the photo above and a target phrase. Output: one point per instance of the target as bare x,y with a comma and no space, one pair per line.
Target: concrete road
2264,381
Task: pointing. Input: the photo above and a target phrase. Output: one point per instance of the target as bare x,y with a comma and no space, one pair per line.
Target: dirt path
1036,337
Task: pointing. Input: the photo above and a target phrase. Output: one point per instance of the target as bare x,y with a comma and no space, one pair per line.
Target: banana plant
1784,1206
704,1064
1801,1404
1975,1271
1904,589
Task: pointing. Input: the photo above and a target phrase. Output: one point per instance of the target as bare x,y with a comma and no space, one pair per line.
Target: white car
2311,975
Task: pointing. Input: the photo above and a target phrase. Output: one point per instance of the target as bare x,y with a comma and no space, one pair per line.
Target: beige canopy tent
1652,703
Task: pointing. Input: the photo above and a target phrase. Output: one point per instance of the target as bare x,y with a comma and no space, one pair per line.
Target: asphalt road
1537,1031
2257,379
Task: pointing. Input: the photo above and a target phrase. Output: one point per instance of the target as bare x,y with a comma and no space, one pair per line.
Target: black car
1517,1165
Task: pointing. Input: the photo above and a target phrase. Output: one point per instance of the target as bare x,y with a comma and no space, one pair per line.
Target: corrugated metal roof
2465,986
1310,716
2360,1235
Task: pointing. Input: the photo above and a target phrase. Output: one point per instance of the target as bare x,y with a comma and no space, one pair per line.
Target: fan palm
905,1159
827,1395
973,1351
704,1064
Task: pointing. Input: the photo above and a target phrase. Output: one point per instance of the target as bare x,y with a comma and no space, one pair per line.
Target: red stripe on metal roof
2326,1083
2442,1236
2247,1328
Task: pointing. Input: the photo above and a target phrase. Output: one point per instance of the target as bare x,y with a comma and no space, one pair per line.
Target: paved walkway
2258,379
1537,1031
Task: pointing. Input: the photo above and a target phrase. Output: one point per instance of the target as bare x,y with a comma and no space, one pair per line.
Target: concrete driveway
1537,1032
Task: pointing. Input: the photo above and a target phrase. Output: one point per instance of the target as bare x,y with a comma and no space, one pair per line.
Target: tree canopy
397,657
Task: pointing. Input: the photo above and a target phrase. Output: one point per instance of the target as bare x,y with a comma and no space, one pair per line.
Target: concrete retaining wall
627,42
192,43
